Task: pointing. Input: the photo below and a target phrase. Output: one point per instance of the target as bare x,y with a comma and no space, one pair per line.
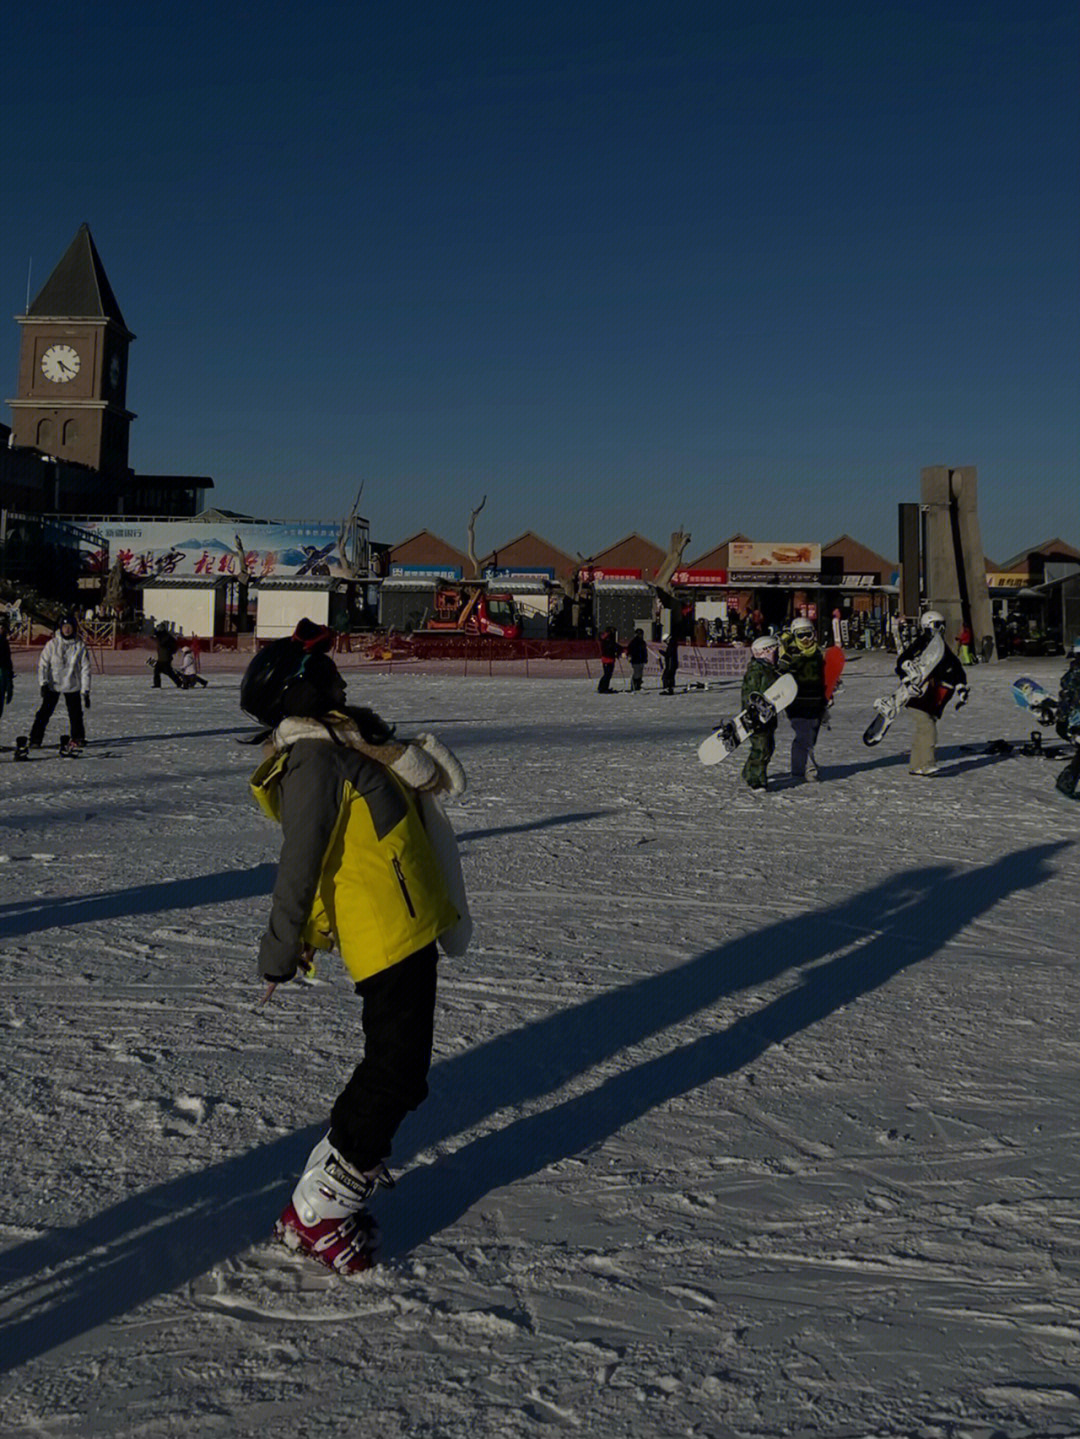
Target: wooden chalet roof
528,550
1049,548
859,559
716,558
633,552
424,548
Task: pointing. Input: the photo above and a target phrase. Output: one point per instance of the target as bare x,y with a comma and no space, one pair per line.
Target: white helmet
932,620
765,646
804,633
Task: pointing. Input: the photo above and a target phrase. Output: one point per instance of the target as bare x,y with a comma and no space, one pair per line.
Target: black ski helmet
289,678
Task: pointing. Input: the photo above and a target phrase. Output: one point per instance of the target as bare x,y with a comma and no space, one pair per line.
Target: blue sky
725,266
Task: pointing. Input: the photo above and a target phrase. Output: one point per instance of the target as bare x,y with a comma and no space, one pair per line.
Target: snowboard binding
22,747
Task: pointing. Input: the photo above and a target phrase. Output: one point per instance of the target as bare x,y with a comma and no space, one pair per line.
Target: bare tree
473,561
243,580
346,540
115,598
670,563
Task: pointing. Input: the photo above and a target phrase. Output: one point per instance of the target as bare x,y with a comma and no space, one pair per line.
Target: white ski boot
326,1217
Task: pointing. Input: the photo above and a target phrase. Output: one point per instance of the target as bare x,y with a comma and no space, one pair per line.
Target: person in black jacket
670,656
801,657
610,650
947,681
163,664
7,668
637,655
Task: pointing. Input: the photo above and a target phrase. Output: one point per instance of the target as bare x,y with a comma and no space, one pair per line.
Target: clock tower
73,367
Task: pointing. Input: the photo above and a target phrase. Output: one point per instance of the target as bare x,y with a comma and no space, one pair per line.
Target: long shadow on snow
947,755
49,815
26,916
550,823
72,1280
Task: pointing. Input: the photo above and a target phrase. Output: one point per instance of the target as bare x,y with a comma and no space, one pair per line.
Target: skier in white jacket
63,669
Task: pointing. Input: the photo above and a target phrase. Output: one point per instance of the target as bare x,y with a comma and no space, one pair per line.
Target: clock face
114,372
60,363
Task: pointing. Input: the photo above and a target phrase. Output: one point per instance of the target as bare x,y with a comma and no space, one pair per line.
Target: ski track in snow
750,1115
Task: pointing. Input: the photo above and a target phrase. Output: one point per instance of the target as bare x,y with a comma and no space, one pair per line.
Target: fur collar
410,762
297,727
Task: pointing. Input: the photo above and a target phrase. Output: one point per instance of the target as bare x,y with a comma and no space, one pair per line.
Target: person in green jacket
801,657
760,673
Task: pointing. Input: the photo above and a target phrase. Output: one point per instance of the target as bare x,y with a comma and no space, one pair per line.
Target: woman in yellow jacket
357,869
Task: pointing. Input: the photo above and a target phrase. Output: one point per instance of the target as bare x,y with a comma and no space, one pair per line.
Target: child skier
1068,722
760,673
189,670
357,868
63,669
947,681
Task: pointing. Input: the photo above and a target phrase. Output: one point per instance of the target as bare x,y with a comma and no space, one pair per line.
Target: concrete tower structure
954,565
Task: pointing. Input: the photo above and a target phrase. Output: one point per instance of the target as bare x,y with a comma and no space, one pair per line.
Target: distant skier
7,668
610,650
946,681
801,657
189,669
1067,722
166,644
637,656
63,669
760,673
355,858
670,658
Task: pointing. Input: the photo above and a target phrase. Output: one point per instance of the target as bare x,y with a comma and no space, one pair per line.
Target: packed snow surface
750,1114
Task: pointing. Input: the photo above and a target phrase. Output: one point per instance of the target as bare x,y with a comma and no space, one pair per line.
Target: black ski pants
391,1079
49,700
164,667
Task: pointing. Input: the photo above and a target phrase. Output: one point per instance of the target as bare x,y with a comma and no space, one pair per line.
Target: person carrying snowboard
637,656
760,673
163,663
670,657
63,669
946,681
356,868
801,656
1067,723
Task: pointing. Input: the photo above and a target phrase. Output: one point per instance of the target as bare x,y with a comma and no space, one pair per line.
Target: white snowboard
916,674
728,736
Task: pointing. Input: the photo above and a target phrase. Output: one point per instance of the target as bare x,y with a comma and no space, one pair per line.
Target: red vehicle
472,609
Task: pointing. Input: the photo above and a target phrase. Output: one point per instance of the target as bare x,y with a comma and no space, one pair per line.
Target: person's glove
86,699
960,695
46,691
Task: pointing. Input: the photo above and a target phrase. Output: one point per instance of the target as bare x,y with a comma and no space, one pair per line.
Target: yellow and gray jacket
356,866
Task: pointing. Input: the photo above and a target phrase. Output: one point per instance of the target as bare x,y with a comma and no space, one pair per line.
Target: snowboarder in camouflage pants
760,673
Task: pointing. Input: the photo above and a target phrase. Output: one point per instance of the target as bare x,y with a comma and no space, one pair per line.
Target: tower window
71,431
44,434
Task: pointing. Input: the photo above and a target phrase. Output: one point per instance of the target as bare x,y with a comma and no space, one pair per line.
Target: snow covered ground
750,1115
